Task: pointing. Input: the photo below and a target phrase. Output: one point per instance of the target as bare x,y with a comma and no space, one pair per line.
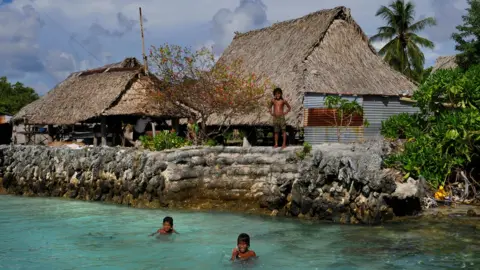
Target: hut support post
176,124
153,129
104,130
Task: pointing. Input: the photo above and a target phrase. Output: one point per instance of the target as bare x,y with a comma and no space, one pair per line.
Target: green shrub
402,126
163,140
306,150
211,142
445,136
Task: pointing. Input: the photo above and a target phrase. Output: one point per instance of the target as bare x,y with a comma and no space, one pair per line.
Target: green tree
443,138
468,37
14,96
402,51
344,113
425,74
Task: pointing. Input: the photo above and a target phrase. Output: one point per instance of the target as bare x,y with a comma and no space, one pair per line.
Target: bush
211,142
402,126
307,148
445,136
163,140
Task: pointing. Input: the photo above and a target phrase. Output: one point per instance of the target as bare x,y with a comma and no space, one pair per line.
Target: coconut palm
402,50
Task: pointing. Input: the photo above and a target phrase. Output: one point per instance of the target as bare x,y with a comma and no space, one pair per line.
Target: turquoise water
39,233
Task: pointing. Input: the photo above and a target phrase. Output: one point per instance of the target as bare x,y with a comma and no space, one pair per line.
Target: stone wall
338,182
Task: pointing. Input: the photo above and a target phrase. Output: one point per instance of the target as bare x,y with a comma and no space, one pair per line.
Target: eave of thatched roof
325,51
445,62
116,89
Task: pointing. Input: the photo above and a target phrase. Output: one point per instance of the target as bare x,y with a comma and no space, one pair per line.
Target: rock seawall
338,182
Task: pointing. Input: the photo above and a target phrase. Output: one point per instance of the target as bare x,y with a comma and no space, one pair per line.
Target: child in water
167,227
242,252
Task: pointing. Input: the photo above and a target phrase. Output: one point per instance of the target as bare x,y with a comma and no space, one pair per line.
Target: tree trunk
203,129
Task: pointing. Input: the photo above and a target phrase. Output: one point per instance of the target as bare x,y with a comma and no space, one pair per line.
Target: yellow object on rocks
440,194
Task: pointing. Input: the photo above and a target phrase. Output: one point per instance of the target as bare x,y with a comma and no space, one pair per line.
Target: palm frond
387,30
380,37
420,25
421,41
387,14
391,47
416,58
409,13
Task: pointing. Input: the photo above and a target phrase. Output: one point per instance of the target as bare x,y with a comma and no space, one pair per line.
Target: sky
43,41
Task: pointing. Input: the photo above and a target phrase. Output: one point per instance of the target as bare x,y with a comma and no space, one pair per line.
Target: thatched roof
445,62
325,51
116,89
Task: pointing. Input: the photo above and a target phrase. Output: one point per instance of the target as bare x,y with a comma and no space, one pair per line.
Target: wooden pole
145,65
103,128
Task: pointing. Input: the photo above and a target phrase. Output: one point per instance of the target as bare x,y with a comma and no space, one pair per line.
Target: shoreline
460,214
343,183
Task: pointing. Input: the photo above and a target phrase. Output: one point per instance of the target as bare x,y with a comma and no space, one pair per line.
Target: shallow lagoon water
44,233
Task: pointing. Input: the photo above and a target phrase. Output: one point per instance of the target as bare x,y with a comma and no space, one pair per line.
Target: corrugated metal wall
376,110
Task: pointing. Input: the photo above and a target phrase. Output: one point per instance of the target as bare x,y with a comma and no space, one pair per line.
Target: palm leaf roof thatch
115,89
325,52
445,62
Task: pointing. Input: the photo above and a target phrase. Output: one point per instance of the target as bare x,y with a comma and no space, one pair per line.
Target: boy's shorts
279,123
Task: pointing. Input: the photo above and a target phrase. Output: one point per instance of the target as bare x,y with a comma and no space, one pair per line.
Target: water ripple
44,233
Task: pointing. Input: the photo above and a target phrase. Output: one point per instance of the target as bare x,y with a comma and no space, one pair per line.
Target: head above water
167,224
243,242
277,93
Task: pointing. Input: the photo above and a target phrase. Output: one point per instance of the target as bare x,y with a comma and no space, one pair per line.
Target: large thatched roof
116,89
445,62
325,51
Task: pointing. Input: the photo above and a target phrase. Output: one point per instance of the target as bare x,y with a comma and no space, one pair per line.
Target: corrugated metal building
319,124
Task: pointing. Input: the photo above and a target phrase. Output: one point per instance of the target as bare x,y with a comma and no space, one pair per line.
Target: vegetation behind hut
468,37
194,80
14,96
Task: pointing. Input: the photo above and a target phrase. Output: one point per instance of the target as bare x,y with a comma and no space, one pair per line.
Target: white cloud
18,40
249,15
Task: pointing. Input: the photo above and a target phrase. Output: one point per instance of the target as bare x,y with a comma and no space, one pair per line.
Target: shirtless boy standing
276,109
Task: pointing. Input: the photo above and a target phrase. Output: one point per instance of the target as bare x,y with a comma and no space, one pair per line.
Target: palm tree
402,50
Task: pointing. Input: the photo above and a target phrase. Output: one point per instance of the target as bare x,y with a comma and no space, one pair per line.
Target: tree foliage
14,96
194,79
345,111
468,37
402,51
443,139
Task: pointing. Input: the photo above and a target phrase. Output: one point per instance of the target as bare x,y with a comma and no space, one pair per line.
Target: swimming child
167,227
276,109
242,252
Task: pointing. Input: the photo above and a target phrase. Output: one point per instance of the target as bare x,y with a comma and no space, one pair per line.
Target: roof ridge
287,22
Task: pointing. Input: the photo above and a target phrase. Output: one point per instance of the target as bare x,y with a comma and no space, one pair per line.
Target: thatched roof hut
325,52
445,62
116,89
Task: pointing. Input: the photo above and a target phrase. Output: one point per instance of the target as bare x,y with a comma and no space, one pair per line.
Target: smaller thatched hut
445,62
116,91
